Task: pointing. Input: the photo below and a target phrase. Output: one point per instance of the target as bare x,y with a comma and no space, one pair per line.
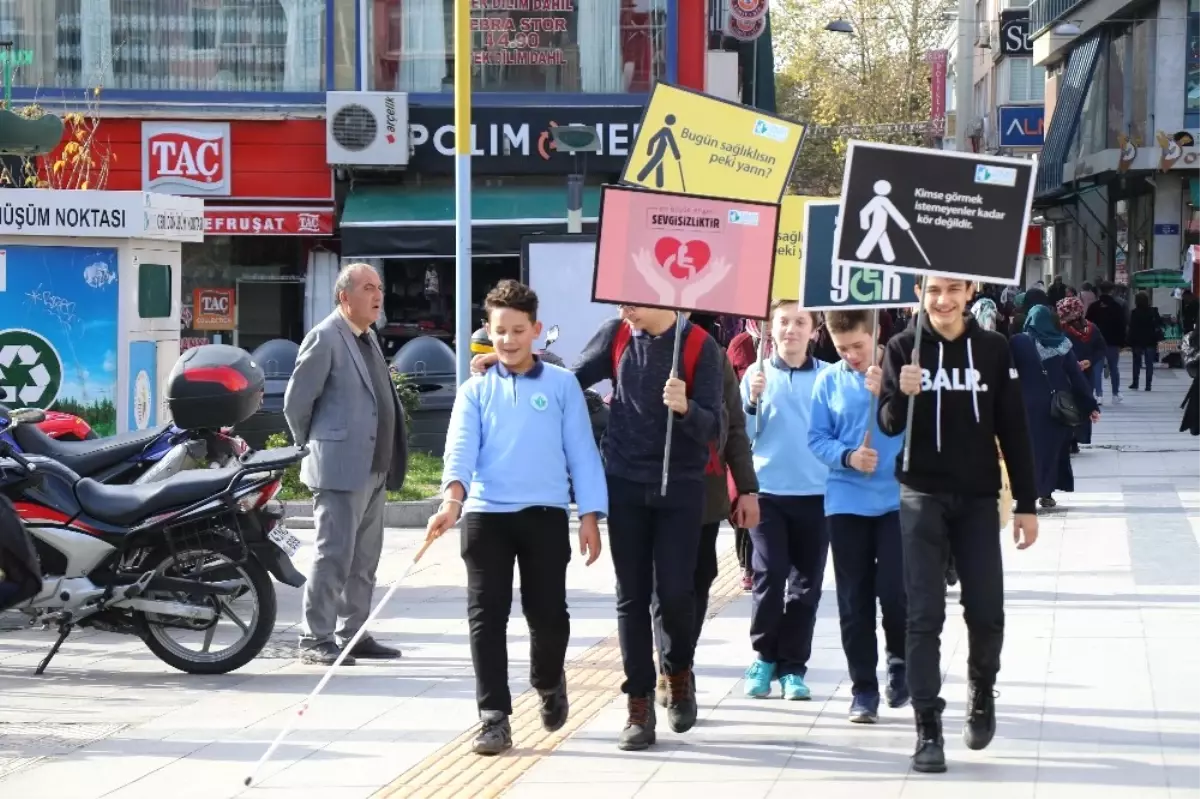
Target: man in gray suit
341,404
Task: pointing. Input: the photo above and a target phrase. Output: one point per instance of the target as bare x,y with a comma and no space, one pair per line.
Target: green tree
872,85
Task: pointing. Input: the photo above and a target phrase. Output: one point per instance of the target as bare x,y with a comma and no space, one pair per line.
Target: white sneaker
1100,399
1118,399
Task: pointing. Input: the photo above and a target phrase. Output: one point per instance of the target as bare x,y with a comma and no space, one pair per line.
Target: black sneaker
980,725
323,654
639,726
555,706
930,754
681,706
495,734
897,685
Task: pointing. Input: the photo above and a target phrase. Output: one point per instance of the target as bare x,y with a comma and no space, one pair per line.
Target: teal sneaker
794,687
758,679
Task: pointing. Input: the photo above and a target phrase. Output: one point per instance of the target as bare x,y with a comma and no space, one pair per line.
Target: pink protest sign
685,252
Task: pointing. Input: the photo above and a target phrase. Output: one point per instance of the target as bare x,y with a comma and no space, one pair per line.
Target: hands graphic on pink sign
686,267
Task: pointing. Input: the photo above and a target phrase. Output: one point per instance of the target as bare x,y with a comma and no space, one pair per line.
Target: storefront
268,214
404,225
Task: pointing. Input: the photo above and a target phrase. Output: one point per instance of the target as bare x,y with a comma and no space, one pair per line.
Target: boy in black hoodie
967,395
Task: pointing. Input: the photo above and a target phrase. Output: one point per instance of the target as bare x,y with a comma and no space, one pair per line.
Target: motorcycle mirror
551,335
28,415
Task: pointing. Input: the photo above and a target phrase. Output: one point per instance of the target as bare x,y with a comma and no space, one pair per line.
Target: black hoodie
970,396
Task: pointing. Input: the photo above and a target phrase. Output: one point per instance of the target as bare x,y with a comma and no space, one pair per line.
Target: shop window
216,45
1092,135
154,291
590,46
1026,82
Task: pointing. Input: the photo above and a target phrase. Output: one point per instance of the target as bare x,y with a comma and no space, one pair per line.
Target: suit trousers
349,542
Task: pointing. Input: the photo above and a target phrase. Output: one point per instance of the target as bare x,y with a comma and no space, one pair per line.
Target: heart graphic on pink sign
682,259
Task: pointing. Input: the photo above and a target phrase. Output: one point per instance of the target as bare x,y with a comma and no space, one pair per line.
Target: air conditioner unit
366,129
983,36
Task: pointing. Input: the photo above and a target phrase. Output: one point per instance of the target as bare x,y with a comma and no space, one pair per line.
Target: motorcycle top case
214,386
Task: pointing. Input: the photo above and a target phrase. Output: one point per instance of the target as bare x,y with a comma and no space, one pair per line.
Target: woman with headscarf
1046,363
1088,345
1025,303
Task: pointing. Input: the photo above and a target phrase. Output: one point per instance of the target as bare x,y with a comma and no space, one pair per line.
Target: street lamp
1067,29
575,139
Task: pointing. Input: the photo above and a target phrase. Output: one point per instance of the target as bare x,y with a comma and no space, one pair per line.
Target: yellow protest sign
692,143
785,285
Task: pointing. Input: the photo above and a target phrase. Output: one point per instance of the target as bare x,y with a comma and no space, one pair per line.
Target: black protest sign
935,212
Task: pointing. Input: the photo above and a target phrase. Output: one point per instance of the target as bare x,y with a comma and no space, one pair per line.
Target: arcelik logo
389,119
546,142
1129,151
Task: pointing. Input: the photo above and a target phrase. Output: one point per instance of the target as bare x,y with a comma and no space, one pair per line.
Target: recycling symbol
30,370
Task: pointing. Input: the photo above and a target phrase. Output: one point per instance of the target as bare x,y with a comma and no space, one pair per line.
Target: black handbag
1063,407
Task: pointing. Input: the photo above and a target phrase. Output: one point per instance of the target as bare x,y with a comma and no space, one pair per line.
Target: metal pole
916,359
671,414
964,74
575,203
874,405
762,353
462,188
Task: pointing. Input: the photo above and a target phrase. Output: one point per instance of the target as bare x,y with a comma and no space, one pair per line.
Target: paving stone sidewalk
1100,690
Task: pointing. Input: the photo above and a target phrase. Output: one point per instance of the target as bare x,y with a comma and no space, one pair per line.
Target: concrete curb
299,513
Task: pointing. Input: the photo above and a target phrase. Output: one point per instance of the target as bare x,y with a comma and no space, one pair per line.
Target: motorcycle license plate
284,540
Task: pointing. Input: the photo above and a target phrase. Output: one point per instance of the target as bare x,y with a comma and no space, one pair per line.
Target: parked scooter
177,556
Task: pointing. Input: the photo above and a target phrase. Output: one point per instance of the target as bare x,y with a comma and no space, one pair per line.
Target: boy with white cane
519,440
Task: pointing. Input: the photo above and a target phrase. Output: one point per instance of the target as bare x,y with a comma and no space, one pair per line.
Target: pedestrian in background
743,353
341,404
1108,314
1088,345
519,439
1145,331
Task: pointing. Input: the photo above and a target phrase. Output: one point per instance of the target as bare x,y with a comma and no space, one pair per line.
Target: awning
1072,91
417,221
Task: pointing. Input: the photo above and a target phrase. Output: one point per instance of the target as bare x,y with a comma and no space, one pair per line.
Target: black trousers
706,574
538,541
969,528
869,564
745,548
791,544
654,541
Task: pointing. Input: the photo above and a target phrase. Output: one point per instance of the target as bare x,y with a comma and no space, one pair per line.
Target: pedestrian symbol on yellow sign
720,149
657,148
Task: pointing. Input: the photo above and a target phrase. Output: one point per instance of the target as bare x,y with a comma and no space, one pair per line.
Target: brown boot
639,727
681,706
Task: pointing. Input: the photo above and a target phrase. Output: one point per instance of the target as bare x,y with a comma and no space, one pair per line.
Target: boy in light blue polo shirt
790,541
862,500
519,439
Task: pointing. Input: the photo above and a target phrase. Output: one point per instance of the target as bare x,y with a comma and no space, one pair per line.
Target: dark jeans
791,543
744,546
969,527
538,539
654,541
1112,355
868,563
1143,355
706,574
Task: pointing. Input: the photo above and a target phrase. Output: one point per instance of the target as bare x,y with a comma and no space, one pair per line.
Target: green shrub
410,398
292,487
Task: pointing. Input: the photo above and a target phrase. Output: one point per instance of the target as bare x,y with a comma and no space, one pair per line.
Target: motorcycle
66,427
181,554
597,407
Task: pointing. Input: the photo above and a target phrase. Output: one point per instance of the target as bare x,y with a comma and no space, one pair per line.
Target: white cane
291,725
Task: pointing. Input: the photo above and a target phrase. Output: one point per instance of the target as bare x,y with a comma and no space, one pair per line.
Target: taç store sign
186,158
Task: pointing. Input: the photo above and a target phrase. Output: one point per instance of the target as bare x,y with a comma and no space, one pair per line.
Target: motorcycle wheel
257,587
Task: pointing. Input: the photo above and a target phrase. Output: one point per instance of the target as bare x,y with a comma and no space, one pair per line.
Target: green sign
17,58
30,370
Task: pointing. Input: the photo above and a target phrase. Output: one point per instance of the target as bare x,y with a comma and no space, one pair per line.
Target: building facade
255,105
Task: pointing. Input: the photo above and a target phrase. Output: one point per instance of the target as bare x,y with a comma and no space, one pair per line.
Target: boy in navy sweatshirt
654,537
966,396
862,507
790,540
519,438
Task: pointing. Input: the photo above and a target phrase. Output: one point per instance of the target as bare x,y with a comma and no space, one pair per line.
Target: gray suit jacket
330,407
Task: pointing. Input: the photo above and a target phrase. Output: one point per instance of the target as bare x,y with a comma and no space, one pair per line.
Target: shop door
267,310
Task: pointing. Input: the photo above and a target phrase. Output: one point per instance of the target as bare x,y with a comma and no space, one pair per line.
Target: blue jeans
1112,355
1143,355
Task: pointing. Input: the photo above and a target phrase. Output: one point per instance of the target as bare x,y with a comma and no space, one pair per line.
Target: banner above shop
102,214
935,212
268,221
517,141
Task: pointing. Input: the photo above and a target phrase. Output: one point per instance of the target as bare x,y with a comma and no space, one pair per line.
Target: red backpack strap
620,342
693,345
